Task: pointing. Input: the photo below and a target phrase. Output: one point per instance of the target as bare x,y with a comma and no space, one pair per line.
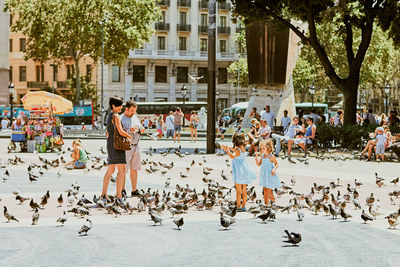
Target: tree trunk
350,101
77,80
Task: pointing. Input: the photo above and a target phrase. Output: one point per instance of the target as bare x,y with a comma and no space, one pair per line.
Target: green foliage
241,66
88,92
351,136
346,17
57,29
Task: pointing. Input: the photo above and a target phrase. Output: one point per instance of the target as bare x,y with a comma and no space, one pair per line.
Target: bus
307,107
75,117
151,110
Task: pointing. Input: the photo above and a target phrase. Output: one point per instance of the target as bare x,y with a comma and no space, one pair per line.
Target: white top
269,118
380,139
4,124
169,122
285,122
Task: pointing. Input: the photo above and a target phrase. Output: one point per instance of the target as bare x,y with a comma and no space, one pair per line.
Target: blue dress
266,178
242,174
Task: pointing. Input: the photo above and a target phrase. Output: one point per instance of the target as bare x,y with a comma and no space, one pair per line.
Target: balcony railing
62,84
143,52
165,53
203,53
203,29
40,85
183,27
224,30
162,26
239,29
163,2
185,3
227,55
186,53
203,4
224,6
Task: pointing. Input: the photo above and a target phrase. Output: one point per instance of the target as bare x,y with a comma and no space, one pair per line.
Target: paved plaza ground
132,240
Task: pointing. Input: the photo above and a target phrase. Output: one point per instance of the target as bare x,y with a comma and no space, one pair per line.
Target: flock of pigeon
333,199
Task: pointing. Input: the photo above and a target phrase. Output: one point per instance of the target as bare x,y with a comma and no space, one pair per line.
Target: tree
381,64
238,69
58,29
347,15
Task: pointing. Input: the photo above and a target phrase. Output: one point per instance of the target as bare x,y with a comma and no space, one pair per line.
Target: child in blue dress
268,178
242,174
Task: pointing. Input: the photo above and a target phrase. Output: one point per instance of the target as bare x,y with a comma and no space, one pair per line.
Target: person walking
132,125
242,174
116,158
178,115
4,124
169,123
268,178
194,122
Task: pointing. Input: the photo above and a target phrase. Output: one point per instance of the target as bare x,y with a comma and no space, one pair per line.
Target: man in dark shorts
178,115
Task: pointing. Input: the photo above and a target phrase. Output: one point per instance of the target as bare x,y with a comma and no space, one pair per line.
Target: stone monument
202,119
272,51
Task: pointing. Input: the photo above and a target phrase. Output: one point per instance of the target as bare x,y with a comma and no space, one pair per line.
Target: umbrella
41,99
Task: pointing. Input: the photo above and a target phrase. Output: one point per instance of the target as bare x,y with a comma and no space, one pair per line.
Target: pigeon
300,216
35,217
21,199
292,238
223,175
395,181
333,212
60,200
86,227
392,222
179,222
195,79
226,221
365,217
264,216
344,215
33,205
183,175
156,219
8,216
62,219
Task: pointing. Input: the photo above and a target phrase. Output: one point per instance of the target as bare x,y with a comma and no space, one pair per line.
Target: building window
88,72
163,16
182,18
139,74
22,44
182,76
55,69
222,21
116,73
70,71
222,46
22,73
161,43
203,20
182,43
42,73
202,72
11,20
11,45
161,74
10,74
222,75
203,44
37,68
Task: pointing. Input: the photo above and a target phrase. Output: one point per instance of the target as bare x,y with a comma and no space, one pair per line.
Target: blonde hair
268,144
77,142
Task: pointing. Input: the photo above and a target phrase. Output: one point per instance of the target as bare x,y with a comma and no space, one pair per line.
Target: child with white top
380,143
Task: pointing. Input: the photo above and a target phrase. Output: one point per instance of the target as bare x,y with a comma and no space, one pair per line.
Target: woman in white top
194,122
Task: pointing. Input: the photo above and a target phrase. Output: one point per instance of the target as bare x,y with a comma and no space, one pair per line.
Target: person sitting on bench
79,156
290,133
306,139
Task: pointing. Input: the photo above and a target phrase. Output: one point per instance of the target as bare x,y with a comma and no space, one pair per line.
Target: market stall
41,130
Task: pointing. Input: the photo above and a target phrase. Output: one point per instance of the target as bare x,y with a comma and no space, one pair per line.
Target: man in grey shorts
132,125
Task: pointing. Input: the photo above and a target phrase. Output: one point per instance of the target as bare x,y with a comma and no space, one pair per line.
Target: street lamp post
54,77
217,98
183,91
387,91
312,92
238,84
102,78
11,91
